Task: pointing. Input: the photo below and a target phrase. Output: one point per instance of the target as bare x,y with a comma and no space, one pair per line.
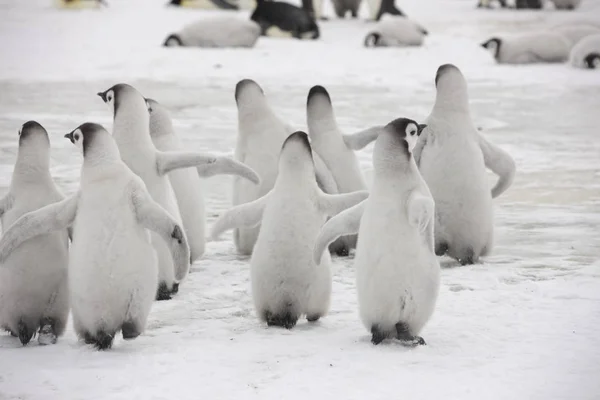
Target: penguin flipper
421,213
6,203
345,223
228,166
154,218
50,218
333,204
247,215
167,161
500,163
359,140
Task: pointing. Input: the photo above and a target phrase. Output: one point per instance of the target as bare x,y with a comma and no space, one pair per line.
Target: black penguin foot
13,334
441,248
404,336
313,318
287,320
378,335
130,331
163,292
175,289
467,258
25,333
103,341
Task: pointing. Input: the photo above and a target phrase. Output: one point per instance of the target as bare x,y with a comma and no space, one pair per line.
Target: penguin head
493,46
121,95
92,139
33,135
173,40
373,39
248,92
592,61
451,87
160,121
296,151
395,144
319,110
406,132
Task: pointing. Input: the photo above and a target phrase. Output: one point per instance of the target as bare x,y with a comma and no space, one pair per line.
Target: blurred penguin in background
529,4
488,3
376,7
206,4
82,3
287,19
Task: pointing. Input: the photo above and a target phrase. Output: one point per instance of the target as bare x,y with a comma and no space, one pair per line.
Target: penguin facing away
586,53
377,8
112,267
186,181
328,141
397,271
286,282
131,131
452,157
395,31
566,4
216,32
527,48
33,279
261,134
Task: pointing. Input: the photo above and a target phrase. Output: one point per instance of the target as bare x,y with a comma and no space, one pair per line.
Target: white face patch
78,139
596,62
411,136
492,47
172,42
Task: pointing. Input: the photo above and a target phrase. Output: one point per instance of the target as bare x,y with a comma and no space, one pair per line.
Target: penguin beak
420,128
102,96
70,137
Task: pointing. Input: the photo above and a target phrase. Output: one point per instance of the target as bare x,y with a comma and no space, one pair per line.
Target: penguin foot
46,335
130,331
313,318
163,292
404,336
287,320
467,258
441,248
13,334
25,334
103,341
175,289
378,335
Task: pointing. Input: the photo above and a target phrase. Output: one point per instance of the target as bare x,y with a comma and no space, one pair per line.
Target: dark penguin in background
341,8
380,7
529,4
286,17
218,4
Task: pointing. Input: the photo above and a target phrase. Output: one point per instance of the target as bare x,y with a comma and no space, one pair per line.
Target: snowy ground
524,325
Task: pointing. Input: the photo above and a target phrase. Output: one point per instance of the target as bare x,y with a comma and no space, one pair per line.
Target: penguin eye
76,137
412,133
109,97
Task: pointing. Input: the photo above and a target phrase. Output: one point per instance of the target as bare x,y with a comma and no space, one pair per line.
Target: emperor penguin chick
186,182
286,282
33,279
261,134
397,271
112,266
452,157
131,131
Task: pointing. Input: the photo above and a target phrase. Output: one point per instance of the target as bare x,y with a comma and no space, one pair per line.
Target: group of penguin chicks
137,221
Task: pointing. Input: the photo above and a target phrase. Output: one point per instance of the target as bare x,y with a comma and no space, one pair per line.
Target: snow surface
523,325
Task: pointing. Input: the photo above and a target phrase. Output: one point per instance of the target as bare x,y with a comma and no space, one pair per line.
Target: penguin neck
253,110
321,121
100,156
296,176
392,160
131,130
31,167
455,101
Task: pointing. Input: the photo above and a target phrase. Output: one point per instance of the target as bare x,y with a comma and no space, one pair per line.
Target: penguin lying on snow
574,33
586,53
81,3
566,4
288,18
395,31
217,32
206,4
534,47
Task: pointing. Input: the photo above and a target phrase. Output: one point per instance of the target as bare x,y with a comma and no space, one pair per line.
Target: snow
523,325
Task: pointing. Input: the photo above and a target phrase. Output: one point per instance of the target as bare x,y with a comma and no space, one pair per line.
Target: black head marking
300,136
242,84
117,90
398,127
89,130
30,128
496,41
442,70
175,3
592,60
174,37
177,234
318,90
372,39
